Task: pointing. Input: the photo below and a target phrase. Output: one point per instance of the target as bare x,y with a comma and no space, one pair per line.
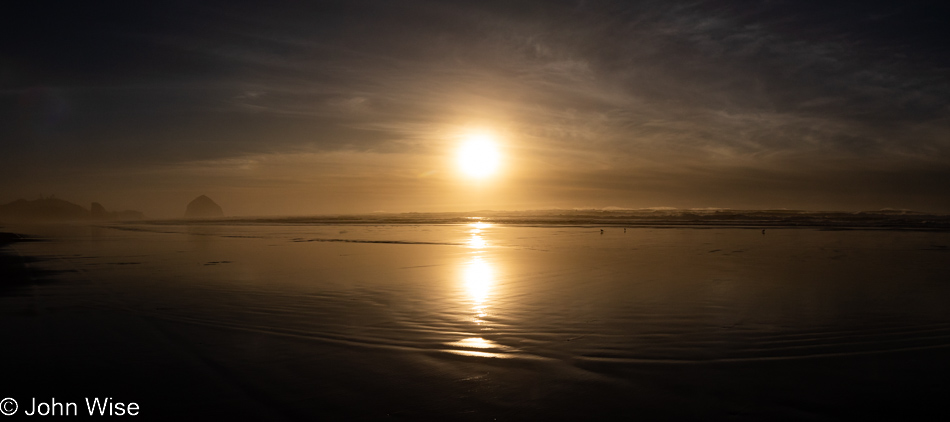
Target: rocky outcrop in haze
203,207
43,209
98,212
55,209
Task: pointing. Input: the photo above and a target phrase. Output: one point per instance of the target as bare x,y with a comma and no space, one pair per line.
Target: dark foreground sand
493,323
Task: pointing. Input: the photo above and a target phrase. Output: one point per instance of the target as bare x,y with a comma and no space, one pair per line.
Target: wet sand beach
479,321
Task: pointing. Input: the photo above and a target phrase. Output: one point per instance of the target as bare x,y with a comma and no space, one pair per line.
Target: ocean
450,317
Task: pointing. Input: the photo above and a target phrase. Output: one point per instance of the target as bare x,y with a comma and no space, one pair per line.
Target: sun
478,156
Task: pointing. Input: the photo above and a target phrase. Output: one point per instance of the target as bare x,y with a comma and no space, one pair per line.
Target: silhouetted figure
624,229
601,231
763,232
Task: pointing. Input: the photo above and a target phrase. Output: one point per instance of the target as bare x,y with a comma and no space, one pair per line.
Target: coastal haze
475,211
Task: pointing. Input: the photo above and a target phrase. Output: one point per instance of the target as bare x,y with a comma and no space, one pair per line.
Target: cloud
592,91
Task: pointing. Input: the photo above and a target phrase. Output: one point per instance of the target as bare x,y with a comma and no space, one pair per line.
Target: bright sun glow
478,157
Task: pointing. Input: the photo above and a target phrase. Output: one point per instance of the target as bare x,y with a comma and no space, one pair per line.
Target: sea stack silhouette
203,207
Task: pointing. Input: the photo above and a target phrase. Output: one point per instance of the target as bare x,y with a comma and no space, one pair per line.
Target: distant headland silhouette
55,209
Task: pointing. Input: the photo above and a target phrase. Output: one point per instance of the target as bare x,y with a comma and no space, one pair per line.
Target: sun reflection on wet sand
477,240
478,274
474,343
480,225
479,278
486,348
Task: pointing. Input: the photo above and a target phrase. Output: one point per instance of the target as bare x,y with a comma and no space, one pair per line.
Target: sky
295,108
